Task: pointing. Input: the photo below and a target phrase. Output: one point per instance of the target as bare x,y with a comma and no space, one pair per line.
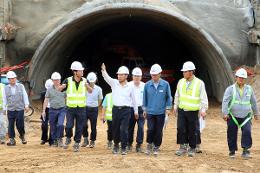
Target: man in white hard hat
238,107
57,110
76,88
138,86
123,98
17,102
94,99
157,103
3,128
45,117
190,102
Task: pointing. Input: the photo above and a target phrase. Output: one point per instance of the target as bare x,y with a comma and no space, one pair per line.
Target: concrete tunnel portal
131,36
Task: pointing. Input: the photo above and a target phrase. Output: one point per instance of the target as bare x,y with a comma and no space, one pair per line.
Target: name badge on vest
161,91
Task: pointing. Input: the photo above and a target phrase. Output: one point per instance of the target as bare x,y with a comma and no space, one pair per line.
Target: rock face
214,31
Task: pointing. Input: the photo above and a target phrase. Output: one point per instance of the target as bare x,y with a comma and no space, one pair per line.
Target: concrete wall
222,23
224,20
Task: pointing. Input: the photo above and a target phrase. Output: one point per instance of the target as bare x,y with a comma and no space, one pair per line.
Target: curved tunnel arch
63,39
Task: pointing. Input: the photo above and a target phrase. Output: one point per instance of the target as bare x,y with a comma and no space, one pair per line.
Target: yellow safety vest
1,96
76,98
189,98
109,107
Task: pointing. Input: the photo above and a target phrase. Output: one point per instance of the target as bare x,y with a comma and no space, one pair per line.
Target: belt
121,107
92,108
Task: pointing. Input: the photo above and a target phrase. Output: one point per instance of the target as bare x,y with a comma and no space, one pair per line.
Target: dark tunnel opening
133,43
139,36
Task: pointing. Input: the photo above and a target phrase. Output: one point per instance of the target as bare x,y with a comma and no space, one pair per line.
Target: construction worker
3,129
76,91
94,99
157,102
238,107
57,110
190,102
17,102
123,98
106,116
138,86
45,116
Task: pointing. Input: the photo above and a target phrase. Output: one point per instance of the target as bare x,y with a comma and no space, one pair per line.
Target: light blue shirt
94,96
157,100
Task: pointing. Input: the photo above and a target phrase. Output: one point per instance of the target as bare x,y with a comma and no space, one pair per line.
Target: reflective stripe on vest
109,106
1,95
234,101
76,97
189,99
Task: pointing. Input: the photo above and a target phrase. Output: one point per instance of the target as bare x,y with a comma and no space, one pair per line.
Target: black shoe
138,148
12,142
232,154
76,147
92,144
115,149
43,142
85,142
246,154
129,148
23,139
67,142
124,151
109,145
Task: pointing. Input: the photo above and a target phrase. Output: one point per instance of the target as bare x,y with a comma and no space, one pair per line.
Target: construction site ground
34,157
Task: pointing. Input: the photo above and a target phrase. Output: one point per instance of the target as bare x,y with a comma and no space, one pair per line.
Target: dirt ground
34,157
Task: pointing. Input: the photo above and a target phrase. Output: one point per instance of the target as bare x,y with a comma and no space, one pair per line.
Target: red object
6,69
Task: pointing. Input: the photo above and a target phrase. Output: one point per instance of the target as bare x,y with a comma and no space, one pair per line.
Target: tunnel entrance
138,36
133,42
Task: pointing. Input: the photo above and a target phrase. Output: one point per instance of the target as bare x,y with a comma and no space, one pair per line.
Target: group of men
130,103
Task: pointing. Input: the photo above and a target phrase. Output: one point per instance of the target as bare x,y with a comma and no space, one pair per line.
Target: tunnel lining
50,47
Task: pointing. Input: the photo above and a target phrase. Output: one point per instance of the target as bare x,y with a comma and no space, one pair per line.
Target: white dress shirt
121,95
138,92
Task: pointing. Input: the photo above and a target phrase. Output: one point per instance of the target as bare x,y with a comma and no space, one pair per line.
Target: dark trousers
45,127
109,131
78,115
57,117
91,115
187,127
246,139
131,128
120,116
198,135
18,118
155,125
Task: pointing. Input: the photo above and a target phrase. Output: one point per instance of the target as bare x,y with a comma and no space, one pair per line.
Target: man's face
137,78
240,80
156,77
12,81
187,74
79,73
122,77
56,82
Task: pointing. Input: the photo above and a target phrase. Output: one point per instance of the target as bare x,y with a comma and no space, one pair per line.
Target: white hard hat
76,66
123,70
241,73
11,75
188,66
155,69
48,84
92,77
55,76
137,71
